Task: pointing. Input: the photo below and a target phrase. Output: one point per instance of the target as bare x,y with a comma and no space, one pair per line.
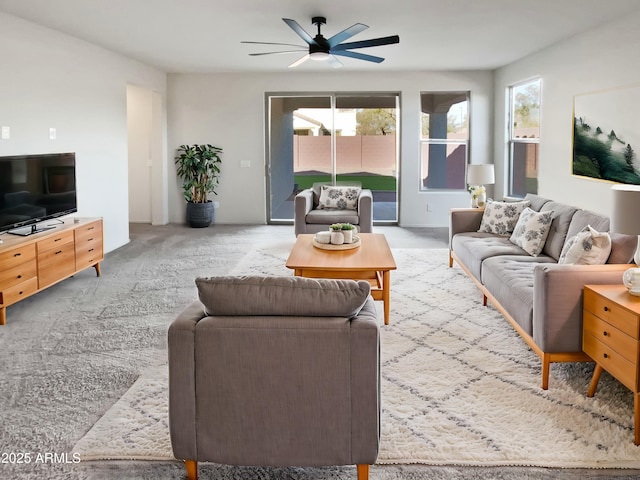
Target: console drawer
18,292
17,256
55,242
17,274
54,265
88,257
89,232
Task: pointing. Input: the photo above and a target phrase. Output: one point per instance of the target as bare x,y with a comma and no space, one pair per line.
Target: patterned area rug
459,387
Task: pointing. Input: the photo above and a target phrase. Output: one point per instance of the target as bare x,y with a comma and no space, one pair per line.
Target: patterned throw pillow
339,197
587,247
501,217
531,230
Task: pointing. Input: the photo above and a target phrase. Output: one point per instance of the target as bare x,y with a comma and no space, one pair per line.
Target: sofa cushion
582,218
510,281
501,217
473,247
588,247
340,197
623,247
292,296
328,216
531,230
536,201
562,215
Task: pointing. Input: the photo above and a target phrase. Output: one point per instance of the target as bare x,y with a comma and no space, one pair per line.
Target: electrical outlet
429,209
52,134
6,133
216,204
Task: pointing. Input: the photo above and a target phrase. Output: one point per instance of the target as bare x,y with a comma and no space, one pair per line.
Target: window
524,138
444,142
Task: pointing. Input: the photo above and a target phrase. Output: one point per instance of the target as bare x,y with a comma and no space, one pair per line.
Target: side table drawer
611,336
19,291
612,313
611,361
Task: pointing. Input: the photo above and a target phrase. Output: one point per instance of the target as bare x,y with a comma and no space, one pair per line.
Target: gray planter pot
200,215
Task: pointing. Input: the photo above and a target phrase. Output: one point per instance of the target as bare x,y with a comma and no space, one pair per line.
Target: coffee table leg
386,289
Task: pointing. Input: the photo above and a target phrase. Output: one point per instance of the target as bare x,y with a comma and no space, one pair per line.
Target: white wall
53,80
228,110
600,59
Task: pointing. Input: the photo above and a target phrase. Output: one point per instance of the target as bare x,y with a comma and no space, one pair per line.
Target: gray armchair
308,218
276,371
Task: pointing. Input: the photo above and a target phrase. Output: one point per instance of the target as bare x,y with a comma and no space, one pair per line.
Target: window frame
514,142
425,142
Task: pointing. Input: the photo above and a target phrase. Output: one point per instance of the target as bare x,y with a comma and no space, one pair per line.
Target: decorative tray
345,246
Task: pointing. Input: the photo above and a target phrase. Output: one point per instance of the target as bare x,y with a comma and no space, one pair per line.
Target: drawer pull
57,239
91,249
605,333
90,240
17,254
606,355
58,252
20,292
606,309
19,276
90,228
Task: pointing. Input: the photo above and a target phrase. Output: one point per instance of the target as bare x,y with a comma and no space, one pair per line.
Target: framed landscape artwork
606,135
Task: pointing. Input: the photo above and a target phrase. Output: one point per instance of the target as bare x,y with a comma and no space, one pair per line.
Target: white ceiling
205,35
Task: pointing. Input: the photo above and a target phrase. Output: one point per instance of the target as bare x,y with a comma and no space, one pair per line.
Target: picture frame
606,135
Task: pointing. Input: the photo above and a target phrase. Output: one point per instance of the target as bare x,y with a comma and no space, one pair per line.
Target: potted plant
347,231
337,238
199,169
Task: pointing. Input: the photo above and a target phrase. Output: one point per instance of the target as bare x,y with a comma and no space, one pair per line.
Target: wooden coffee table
371,261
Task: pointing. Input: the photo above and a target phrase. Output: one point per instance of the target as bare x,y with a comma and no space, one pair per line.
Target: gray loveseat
276,371
539,297
309,218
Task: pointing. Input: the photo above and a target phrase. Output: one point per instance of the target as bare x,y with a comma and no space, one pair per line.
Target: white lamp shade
480,174
626,213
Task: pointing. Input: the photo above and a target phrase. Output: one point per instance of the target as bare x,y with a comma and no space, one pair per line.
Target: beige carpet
459,387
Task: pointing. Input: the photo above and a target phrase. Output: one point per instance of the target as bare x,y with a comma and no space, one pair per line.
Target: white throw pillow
500,218
339,197
531,230
587,247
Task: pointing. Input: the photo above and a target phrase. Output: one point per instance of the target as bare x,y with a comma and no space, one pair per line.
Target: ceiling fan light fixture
319,56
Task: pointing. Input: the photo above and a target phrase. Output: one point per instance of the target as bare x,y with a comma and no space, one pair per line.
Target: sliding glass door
327,138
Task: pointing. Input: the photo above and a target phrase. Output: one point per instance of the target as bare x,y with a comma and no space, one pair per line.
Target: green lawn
372,182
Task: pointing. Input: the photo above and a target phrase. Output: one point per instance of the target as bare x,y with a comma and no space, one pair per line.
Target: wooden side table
611,337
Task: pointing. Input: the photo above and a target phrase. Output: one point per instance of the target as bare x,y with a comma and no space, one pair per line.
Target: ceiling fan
322,49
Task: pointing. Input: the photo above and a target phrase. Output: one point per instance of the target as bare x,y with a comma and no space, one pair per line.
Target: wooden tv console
30,264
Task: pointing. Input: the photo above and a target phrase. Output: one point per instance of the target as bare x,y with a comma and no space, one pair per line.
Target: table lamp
479,175
626,219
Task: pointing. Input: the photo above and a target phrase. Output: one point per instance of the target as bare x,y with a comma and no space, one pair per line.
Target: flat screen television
36,188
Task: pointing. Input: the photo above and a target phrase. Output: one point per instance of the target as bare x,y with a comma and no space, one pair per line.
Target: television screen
34,188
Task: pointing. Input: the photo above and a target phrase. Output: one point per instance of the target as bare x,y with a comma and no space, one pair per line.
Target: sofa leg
546,365
192,469
484,300
450,260
363,471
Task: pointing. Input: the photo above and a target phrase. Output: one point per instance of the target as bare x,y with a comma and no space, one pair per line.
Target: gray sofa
276,371
539,297
308,218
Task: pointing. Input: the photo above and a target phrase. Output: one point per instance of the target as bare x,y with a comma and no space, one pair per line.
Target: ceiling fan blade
295,26
334,62
272,43
276,53
359,56
347,33
374,42
299,61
